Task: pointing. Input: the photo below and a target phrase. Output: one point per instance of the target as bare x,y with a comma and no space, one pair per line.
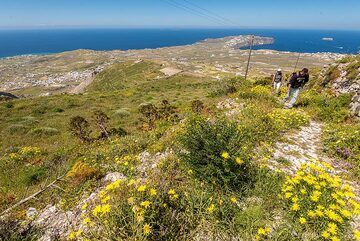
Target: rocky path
298,148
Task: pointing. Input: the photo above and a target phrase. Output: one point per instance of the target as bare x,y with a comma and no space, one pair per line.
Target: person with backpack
277,81
297,82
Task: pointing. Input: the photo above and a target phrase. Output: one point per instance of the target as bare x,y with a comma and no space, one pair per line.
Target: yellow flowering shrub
284,119
25,153
133,209
261,90
320,201
127,164
81,172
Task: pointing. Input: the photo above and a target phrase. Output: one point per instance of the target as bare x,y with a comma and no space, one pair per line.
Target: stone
31,213
112,177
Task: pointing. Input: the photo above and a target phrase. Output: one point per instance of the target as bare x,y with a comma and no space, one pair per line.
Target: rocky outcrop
347,80
56,223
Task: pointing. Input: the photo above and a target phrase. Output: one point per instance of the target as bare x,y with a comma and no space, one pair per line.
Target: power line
192,11
212,13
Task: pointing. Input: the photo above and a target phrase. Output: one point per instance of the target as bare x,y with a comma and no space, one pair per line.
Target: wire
193,11
212,13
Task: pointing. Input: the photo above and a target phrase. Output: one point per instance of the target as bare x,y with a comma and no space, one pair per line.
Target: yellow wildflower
225,155
145,204
356,235
171,192
295,207
131,200
147,229
233,200
142,188
211,208
239,161
325,234
152,192
302,220
105,209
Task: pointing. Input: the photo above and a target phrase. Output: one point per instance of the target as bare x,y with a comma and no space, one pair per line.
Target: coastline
40,42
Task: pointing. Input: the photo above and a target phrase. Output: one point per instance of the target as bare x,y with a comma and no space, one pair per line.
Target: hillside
140,155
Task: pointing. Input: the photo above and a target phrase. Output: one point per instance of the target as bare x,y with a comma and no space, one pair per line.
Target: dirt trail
82,86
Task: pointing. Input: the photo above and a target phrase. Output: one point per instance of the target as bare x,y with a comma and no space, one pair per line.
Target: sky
304,14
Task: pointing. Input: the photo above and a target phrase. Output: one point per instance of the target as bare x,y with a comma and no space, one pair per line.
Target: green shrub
8,104
226,86
326,106
58,110
214,152
122,113
353,70
331,74
343,141
44,131
265,81
34,175
40,110
18,129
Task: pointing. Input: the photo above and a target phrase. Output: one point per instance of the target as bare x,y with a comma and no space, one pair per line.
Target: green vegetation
207,173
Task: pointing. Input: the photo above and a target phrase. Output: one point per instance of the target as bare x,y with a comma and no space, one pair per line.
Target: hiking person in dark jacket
277,81
297,82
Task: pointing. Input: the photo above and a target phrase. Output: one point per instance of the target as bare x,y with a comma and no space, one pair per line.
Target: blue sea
20,42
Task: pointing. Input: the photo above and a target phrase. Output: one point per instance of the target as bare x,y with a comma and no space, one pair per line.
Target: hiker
277,81
297,82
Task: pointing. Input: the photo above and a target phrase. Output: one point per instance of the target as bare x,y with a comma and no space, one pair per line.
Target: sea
46,41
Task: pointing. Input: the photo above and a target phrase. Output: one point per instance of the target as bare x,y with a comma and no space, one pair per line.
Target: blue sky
320,14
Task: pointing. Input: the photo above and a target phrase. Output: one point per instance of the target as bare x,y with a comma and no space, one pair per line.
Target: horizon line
69,27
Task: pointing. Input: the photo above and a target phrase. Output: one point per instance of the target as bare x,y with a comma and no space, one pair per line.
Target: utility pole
250,51
297,62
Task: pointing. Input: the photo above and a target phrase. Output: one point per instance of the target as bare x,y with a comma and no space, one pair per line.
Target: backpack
278,77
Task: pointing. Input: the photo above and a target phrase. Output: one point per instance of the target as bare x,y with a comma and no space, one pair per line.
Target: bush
101,121
149,114
214,152
331,74
197,106
122,113
167,111
285,119
326,106
257,92
265,81
58,110
157,208
13,230
320,202
353,70
226,86
79,127
34,175
344,141
81,172
18,129
8,104
44,131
